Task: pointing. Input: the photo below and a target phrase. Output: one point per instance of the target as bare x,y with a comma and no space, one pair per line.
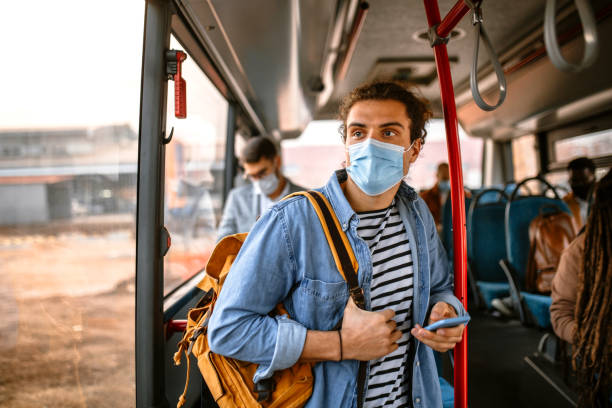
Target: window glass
68,162
422,173
593,145
311,159
524,157
559,180
194,175
322,140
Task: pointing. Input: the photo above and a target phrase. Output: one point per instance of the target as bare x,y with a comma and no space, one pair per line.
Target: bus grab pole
447,96
453,17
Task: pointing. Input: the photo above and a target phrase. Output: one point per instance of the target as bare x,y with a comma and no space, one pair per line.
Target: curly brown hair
417,108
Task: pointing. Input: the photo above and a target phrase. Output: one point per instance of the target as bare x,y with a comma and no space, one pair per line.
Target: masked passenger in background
245,204
581,180
436,196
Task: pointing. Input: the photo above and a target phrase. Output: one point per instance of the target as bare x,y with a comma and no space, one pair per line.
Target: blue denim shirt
286,258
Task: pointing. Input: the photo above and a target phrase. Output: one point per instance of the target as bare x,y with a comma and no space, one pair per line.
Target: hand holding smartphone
450,322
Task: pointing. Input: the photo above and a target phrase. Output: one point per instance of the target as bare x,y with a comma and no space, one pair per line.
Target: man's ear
416,150
278,162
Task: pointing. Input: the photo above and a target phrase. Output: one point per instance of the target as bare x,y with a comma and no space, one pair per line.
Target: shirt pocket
320,305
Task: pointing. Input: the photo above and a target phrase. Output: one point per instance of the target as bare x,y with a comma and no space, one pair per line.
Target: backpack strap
345,262
341,249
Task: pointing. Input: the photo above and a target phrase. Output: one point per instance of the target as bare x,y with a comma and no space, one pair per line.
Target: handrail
149,367
589,29
352,40
538,178
447,99
501,79
453,17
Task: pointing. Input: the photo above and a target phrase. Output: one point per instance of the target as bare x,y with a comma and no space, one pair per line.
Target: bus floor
498,374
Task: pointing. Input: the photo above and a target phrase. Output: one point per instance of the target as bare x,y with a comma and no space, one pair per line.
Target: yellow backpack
230,381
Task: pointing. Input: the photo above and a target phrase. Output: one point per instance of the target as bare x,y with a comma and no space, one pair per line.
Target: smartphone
451,322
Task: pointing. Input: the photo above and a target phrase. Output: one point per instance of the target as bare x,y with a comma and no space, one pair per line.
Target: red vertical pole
457,197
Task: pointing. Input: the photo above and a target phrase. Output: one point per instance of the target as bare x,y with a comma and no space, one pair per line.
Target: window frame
584,127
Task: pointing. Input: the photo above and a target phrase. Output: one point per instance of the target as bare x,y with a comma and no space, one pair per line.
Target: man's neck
361,202
282,182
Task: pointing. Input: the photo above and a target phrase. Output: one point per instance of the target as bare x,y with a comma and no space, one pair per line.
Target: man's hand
442,339
368,335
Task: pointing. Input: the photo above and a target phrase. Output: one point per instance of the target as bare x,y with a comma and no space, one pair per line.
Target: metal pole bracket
434,38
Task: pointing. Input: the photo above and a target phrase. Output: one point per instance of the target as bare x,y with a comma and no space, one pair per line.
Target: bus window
320,139
68,164
524,157
592,145
422,173
194,175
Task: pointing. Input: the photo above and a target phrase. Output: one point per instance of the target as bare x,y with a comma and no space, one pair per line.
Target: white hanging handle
589,30
479,31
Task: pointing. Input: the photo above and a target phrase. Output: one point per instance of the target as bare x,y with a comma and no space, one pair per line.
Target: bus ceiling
289,62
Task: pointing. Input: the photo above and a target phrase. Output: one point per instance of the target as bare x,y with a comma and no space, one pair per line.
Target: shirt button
418,364
417,400
344,226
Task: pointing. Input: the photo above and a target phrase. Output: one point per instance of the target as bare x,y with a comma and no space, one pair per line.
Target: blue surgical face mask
444,186
376,166
266,185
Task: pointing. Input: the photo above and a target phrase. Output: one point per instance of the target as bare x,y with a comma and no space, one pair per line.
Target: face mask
444,186
376,166
266,185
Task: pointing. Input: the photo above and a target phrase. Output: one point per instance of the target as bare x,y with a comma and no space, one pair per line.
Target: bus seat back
447,225
519,214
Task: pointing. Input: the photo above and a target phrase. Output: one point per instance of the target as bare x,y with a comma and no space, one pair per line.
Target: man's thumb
437,312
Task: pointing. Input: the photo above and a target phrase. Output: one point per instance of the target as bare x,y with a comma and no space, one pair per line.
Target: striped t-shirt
392,288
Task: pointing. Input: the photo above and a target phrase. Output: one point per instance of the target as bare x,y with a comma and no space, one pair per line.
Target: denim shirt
286,258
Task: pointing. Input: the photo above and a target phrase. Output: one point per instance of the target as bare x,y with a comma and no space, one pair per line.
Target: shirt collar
340,204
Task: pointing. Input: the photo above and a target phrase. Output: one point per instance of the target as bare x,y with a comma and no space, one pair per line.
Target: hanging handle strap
479,32
589,30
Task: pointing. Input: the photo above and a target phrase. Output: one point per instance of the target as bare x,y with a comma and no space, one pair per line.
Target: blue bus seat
519,214
539,306
448,392
447,225
489,195
492,290
486,246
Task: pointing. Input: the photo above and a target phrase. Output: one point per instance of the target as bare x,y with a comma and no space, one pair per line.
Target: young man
581,180
403,272
262,165
437,195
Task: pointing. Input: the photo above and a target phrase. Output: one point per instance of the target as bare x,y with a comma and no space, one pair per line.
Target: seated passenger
403,271
436,196
581,310
581,180
245,204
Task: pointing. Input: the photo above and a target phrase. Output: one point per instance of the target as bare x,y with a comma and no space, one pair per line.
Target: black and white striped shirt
392,288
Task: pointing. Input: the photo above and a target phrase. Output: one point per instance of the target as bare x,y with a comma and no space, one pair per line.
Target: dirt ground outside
67,301
67,332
